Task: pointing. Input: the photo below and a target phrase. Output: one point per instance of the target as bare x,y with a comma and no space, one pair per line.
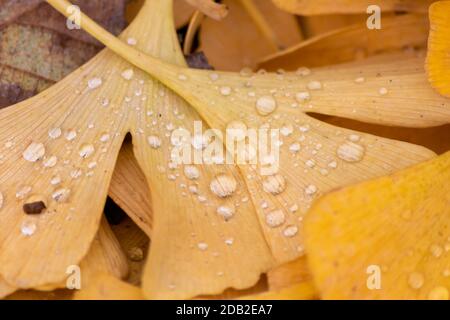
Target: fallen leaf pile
361,115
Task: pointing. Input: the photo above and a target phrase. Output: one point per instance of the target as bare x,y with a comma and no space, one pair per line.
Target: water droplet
182,77
360,80
202,246
191,172
436,250
295,147
223,185
303,71
55,180
28,228
131,41
302,96
416,280
311,189
225,91
265,105
70,135
86,151
104,137
274,184
439,293
350,152
154,142
229,241
54,133
214,76
227,212
128,74
383,91
310,163
22,191
94,83
314,85
287,130
34,152
50,162
61,195
332,164
1,200
275,218
290,231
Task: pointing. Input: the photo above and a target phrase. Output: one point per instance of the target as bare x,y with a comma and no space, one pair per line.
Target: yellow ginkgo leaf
314,157
267,29
438,58
107,287
384,239
300,291
352,43
313,7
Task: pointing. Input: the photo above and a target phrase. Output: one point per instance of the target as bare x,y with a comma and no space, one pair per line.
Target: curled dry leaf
331,157
229,49
352,43
438,58
394,228
313,7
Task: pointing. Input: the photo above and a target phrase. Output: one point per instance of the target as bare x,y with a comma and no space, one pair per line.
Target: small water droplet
104,137
303,71
70,135
302,96
229,241
275,218
131,41
128,74
275,184
350,152
202,246
182,77
61,195
54,133
22,191
314,85
191,172
154,142
225,91
28,228
86,150
50,162
295,147
383,91
94,83
290,231
311,189
416,280
227,212
214,76
360,80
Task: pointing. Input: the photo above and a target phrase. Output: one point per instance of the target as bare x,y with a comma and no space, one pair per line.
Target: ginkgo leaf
233,50
294,272
314,157
313,7
104,256
438,58
129,189
352,43
314,25
386,238
108,287
301,291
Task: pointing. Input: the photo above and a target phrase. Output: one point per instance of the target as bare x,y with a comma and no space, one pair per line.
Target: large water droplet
34,152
